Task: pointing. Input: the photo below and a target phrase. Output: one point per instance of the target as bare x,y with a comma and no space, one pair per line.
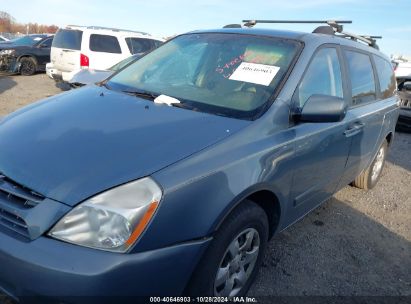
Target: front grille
14,222
15,200
405,103
405,100
17,194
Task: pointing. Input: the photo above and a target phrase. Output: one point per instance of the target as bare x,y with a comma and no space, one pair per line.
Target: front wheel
231,263
369,178
28,66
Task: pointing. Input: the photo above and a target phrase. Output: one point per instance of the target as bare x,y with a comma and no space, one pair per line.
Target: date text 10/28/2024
203,300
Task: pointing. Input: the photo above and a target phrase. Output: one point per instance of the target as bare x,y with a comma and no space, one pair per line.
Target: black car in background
26,55
23,40
404,94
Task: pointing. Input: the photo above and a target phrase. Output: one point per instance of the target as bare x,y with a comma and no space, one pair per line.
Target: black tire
246,218
28,66
366,180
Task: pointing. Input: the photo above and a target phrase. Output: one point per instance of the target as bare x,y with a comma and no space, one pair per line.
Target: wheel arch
263,195
36,64
389,138
27,56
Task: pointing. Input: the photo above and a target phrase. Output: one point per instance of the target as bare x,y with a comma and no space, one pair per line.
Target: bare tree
9,25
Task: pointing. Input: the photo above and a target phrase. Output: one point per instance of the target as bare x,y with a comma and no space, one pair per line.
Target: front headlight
7,52
112,220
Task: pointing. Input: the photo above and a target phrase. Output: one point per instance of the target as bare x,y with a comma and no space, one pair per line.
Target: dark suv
26,55
171,176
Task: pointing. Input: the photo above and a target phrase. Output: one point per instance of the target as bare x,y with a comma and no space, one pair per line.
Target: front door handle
354,129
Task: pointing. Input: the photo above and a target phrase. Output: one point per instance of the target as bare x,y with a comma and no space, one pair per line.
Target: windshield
27,40
226,74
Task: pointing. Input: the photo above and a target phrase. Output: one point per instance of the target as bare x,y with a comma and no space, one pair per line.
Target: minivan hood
76,144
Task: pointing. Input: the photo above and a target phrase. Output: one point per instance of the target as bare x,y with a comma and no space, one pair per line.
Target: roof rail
369,40
93,27
234,25
336,26
250,23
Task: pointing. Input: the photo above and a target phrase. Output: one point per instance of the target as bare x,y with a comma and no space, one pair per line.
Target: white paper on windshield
255,73
168,100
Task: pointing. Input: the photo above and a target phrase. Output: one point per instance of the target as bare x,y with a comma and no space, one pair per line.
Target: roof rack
92,27
334,26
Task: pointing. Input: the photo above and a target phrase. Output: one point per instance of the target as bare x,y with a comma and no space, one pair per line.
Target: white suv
402,68
78,47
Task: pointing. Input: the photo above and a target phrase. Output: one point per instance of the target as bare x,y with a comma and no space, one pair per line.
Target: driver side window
47,43
323,76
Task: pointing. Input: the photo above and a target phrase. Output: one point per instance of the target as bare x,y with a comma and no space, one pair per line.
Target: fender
280,201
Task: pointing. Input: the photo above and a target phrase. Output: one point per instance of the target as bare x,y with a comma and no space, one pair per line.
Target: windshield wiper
143,94
184,106
174,102
153,96
103,84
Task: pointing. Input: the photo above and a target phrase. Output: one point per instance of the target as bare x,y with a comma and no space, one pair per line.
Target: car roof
313,39
112,31
257,32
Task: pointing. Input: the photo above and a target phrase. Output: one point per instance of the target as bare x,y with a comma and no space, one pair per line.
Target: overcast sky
391,19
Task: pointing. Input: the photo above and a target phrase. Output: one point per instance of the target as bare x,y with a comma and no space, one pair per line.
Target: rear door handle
354,129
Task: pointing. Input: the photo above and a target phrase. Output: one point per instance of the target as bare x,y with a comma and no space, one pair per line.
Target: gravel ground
356,244
18,91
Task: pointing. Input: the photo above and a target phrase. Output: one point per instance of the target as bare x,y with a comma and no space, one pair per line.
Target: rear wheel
28,66
369,178
231,263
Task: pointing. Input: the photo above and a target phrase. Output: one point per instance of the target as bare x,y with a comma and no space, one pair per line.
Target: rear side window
386,77
362,77
323,77
68,39
104,43
140,45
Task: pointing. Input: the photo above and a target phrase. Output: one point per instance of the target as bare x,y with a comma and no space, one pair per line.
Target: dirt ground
18,91
356,244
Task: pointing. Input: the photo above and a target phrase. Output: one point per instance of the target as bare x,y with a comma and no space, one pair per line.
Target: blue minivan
170,177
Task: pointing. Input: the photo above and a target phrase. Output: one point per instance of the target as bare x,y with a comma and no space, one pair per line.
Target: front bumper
49,268
9,63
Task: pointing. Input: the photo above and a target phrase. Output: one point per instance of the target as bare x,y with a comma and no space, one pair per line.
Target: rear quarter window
361,75
68,39
385,76
104,43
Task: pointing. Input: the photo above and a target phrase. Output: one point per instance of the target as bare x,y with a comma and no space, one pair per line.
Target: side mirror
323,108
407,86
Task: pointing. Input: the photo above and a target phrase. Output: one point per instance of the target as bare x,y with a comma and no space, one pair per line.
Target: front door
321,149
